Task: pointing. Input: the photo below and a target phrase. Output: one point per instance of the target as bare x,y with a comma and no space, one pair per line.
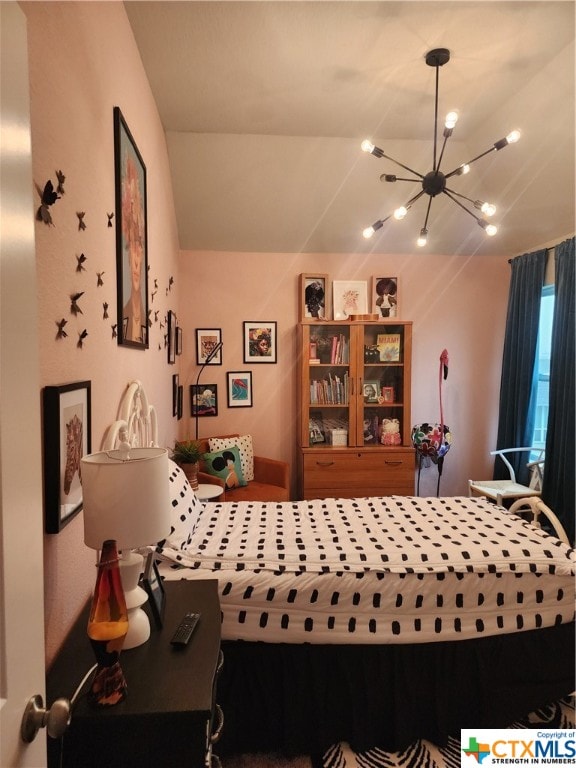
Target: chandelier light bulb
451,119
423,238
488,209
513,137
399,213
491,230
367,146
368,232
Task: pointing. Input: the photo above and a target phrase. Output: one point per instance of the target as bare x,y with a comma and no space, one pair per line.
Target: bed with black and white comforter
379,570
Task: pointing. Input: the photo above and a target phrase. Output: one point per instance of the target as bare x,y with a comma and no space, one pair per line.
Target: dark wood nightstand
169,715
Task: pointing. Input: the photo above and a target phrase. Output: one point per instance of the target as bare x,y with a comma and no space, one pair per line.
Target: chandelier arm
390,178
469,162
446,192
406,168
412,200
436,116
425,227
437,167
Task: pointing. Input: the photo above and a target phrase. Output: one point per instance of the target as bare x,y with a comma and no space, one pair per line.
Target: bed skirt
300,699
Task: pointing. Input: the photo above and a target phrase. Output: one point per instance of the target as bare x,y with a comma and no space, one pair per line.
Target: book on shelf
389,347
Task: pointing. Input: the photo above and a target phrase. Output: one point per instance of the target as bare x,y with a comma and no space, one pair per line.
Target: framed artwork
350,297
260,344
206,340
387,395
175,384
314,297
154,587
178,340
131,238
204,400
384,296
371,390
171,337
67,437
180,407
239,389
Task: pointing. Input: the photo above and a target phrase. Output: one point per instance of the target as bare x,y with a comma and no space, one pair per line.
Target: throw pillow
186,509
225,465
244,445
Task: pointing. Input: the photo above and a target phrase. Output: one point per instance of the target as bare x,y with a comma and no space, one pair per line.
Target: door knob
55,720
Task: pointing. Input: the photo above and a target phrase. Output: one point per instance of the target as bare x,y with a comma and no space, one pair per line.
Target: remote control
185,629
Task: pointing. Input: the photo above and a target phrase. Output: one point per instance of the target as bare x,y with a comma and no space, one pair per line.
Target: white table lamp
126,497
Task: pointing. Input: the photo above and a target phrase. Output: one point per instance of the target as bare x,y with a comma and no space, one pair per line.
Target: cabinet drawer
360,471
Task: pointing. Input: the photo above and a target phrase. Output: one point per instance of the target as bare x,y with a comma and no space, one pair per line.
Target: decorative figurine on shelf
107,628
390,432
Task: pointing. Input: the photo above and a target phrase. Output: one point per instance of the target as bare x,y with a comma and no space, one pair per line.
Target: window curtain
519,373
558,487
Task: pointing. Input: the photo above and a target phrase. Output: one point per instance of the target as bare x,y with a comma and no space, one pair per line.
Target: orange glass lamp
126,498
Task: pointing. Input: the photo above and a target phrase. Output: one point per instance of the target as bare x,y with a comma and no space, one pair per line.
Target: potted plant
187,454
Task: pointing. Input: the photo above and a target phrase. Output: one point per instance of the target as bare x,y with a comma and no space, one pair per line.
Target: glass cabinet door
384,392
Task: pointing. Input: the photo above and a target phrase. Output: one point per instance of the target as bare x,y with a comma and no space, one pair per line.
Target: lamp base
131,566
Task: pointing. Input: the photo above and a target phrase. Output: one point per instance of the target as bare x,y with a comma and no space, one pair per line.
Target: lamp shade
126,497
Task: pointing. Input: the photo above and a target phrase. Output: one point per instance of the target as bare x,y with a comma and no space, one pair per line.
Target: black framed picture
175,385
171,337
178,340
204,399
180,409
206,340
131,237
154,587
67,437
260,342
239,389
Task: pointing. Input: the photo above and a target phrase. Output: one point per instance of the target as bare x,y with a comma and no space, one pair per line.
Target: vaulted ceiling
265,105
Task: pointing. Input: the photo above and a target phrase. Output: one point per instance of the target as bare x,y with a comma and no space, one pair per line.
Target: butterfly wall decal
114,332
152,296
74,308
61,332
47,198
81,224
81,337
105,307
99,280
61,179
81,260
110,217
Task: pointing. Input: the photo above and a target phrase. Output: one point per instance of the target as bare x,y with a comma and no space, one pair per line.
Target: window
543,366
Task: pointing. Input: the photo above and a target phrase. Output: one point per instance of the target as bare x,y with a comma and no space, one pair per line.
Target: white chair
535,506
498,490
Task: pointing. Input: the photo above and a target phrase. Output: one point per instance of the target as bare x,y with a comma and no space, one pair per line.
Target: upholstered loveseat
271,477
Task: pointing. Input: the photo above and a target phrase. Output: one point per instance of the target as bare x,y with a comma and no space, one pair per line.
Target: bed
375,621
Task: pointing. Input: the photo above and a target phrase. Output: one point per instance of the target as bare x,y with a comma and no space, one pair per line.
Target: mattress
372,570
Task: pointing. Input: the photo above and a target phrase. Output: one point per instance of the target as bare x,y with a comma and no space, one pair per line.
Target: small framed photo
204,400
239,389
384,296
349,297
387,394
131,237
371,390
180,409
260,342
178,340
67,437
314,297
171,337
154,587
175,384
206,340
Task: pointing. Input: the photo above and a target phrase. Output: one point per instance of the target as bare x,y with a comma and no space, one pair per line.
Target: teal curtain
558,488
519,371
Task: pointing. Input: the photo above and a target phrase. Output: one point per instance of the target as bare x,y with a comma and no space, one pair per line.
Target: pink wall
83,62
455,302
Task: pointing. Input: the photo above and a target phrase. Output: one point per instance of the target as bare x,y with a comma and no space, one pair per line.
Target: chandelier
435,182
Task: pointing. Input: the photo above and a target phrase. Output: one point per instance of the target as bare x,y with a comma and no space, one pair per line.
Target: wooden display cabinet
354,415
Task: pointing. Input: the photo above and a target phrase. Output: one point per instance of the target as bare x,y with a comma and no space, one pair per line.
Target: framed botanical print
206,340
239,389
314,297
67,437
131,238
384,296
350,297
260,344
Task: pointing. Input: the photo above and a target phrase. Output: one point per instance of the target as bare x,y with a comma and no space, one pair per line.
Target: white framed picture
349,297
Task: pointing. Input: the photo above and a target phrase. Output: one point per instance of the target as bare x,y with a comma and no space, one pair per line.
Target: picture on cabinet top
350,297
384,297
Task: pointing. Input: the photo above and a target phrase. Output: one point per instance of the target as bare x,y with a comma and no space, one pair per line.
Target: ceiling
265,105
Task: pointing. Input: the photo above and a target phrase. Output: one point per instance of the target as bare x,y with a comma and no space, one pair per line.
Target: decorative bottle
107,628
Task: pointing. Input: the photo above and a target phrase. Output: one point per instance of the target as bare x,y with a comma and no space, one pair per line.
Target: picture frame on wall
239,389
175,385
180,410
384,296
314,297
206,340
260,341
204,400
67,437
178,340
349,297
171,337
131,238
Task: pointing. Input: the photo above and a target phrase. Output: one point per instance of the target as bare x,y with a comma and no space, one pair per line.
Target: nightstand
169,715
